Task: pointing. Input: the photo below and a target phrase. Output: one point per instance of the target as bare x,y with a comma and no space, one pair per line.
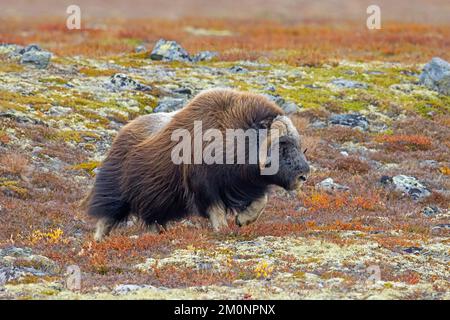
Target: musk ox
139,177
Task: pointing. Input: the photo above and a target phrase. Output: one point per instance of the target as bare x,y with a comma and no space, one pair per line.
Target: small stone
186,91
312,86
290,107
354,120
167,50
140,49
120,81
270,88
349,84
238,69
318,124
127,288
385,180
59,111
429,163
204,56
329,185
374,72
436,76
204,266
170,104
10,273
413,250
431,211
275,98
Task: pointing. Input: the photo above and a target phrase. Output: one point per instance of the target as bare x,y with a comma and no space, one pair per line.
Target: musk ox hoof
252,212
155,228
103,229
237,221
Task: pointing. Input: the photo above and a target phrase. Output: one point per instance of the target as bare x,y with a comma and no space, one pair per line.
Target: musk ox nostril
302,178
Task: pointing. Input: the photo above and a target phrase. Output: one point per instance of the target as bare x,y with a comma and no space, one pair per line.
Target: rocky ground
371,222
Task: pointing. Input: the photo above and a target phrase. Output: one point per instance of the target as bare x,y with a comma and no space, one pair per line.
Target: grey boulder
354,120
436,76
407,185
167,50
36,57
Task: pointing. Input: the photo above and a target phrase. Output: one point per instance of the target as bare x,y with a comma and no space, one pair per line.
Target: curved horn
281,126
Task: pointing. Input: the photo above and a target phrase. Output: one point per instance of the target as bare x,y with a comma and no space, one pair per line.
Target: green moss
94,72
10,67
353,105
54,80
74,136
69,136
49,292
135,61
87,166
6,105
146,101
14,100
308,97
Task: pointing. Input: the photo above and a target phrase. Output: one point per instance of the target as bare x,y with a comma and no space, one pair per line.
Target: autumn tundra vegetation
372,110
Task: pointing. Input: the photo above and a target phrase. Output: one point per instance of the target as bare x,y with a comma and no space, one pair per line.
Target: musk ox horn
281,126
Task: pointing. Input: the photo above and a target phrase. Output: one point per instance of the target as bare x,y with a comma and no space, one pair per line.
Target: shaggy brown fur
139,177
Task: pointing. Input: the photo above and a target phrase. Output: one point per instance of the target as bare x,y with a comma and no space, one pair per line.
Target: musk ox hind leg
105,202
252,212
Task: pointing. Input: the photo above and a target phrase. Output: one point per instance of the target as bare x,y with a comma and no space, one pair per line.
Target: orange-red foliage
405,142
307,44
324,201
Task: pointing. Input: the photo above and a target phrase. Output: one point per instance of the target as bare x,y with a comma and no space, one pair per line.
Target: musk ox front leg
103,228
252,212
217,216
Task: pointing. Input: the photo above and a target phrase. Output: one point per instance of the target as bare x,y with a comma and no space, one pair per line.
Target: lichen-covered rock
349,84
29,48
407,185
169,104
436,76
354,120
167,50
17,262
10,49
329,185
120,81
36,57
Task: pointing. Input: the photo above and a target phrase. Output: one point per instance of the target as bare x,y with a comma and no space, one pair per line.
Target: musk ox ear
281,126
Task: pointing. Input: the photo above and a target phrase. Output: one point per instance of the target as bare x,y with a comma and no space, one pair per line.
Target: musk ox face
293,168
285,148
